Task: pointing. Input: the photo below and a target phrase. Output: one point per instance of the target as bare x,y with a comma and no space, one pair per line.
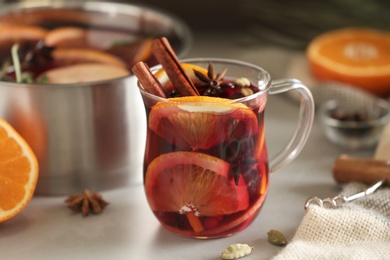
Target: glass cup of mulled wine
206,166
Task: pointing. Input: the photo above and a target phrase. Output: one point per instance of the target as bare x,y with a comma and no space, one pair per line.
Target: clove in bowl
357,126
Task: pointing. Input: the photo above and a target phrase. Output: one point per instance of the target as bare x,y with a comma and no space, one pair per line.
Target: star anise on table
86,202
212,82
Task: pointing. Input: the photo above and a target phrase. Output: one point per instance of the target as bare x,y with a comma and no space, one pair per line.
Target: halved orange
195,184
18,172
357,56
200,122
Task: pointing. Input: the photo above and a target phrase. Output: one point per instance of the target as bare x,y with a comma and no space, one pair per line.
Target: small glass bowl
357,126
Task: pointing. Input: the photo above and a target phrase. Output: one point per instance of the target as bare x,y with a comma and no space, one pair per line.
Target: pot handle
305,121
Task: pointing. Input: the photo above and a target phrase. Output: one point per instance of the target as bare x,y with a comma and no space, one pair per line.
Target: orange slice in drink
66,37
70,56
130,48
16,33
188,68
194,184
18,172
133,52
200,122
82,72
356,56
162,76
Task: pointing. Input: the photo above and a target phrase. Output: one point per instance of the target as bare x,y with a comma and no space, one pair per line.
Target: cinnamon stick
347,168
165,55
148,81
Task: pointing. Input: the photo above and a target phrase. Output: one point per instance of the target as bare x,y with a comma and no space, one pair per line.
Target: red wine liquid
247,155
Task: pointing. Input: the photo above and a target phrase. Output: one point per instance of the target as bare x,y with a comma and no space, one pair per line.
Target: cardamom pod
236,251
276,237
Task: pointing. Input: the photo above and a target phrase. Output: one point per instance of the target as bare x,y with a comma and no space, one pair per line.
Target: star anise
30,57
212,82
86,202
240,155
38,55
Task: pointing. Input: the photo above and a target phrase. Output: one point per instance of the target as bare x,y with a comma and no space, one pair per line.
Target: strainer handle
305,121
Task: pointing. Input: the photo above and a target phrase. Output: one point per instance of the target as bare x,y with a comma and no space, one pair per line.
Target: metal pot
88,135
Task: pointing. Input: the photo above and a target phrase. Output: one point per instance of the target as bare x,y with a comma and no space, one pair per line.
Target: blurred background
284,22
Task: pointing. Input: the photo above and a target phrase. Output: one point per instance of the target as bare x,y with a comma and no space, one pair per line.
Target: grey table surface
127,229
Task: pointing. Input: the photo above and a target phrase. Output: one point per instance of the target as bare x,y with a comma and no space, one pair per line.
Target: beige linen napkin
357,230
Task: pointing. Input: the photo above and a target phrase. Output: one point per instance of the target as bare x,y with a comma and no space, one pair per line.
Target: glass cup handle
305,121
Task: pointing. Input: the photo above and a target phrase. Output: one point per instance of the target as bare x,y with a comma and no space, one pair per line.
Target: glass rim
216,60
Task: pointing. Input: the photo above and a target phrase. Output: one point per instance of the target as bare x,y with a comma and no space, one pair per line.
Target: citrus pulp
194,183
199,122
357,56
18,172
